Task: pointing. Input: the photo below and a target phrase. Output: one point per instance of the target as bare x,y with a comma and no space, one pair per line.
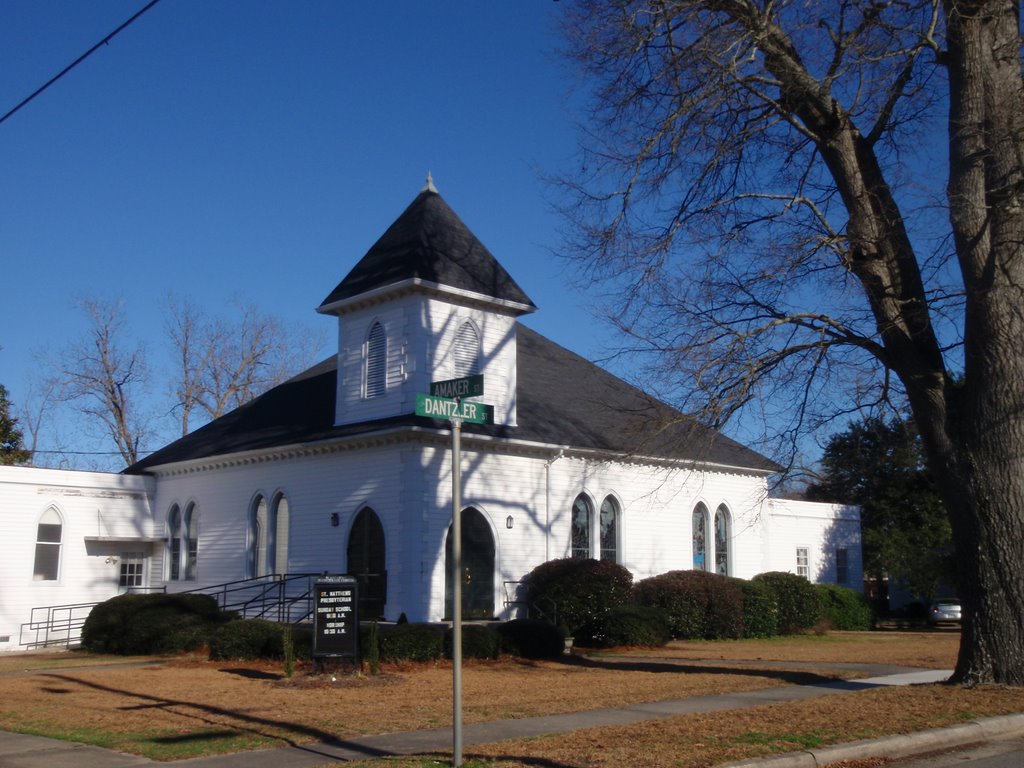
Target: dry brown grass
187,707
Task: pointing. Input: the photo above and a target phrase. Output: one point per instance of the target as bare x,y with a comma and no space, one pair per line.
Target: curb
905,745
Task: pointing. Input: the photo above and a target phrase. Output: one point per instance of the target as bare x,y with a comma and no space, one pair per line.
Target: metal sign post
456,592
445,402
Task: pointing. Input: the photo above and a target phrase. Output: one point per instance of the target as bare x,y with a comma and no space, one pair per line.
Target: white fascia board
342,305
468,438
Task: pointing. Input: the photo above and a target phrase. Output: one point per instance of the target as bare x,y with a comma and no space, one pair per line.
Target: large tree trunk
984,486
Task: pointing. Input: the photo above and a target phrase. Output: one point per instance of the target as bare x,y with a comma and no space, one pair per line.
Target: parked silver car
945,610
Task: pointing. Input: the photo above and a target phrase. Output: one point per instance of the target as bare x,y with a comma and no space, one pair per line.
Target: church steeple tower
409,311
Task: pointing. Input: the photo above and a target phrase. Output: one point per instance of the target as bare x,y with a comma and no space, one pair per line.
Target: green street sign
445,408
467,386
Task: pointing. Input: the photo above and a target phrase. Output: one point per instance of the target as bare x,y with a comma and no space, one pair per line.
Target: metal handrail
54,625
269,598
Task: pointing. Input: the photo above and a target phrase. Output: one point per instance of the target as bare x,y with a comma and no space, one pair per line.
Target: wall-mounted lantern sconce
335,520
508,522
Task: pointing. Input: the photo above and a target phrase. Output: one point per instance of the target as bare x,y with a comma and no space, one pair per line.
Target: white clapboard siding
102,515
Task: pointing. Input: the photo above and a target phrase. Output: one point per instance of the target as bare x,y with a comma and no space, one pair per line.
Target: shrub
628,625
695,604
799,606
844,608
760,609
532,639
412,642
573,591
478,642
247,639
154,623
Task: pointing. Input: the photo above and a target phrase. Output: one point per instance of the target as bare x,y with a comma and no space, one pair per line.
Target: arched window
367,562
280,513
376,361
477,567
466,351
722,536
256,561
190,529
700,538
49,534
610,530
174,544
582,517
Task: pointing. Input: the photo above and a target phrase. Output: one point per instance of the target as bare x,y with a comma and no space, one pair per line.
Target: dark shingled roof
564,400
430,242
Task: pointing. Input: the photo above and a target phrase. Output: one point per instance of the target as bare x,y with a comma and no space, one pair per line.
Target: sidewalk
17,751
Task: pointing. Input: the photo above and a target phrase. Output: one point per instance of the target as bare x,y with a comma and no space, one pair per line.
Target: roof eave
351,303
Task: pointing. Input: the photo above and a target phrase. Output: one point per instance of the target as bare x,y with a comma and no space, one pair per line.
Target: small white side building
333,470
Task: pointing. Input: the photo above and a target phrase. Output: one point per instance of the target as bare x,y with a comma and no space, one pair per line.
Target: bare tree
41,397
758,185
222,363
104,379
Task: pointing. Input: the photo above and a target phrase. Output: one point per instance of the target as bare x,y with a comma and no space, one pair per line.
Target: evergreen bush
695,604
152,623
572,591
412,642
843,608
628,625
798,601
760,609
247,639
532,639
478,642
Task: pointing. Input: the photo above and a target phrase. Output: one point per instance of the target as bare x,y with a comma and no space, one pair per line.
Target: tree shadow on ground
682,666
239,721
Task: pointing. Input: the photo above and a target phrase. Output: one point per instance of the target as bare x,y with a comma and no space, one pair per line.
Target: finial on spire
429,186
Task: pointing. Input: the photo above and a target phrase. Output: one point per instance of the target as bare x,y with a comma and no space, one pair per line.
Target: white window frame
616,544
50,517
722,513
803,562
588,551
132,568
701,512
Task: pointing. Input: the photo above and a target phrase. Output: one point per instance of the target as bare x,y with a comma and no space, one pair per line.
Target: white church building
333,471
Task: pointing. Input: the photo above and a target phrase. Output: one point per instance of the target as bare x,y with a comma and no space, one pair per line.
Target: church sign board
336,617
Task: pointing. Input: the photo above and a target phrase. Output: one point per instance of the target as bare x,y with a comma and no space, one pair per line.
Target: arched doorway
477,567
366,561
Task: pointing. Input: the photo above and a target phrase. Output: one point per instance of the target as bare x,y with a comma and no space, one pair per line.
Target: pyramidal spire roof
429,245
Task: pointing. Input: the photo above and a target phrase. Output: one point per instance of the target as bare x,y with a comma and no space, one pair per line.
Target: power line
79,60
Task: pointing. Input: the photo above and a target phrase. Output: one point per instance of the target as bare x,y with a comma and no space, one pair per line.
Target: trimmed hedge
798,601
843,608
412,642
152,623
574,591
696,604
760,609
257,639
629,625
478,642
532,639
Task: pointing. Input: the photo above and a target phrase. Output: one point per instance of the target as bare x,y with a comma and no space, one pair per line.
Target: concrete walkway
17,751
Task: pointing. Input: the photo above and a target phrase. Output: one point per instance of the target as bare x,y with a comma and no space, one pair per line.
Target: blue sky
257,149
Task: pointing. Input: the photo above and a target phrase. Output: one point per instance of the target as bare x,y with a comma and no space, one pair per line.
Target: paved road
1003,753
